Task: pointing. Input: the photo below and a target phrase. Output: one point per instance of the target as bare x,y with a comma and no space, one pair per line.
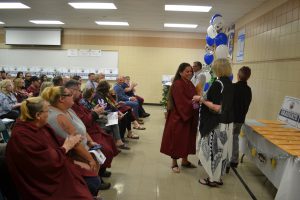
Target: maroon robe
179,137
109,148
34,90
40,168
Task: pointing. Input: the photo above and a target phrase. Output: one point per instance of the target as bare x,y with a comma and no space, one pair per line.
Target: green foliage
213,77
164,99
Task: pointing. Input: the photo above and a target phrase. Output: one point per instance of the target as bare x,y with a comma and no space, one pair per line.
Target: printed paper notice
112,118
240,46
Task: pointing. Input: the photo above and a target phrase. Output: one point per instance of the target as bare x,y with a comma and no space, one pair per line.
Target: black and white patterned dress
216,130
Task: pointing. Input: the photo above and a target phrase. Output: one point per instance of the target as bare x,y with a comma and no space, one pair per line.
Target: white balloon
222,51
209,49
208,76
211,32
218,23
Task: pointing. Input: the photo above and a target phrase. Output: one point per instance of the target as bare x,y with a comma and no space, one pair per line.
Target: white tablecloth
285,176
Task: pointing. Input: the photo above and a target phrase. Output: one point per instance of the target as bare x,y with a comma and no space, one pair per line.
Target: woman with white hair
8,101
216,124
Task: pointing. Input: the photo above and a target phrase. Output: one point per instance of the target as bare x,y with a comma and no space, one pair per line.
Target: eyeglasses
67,95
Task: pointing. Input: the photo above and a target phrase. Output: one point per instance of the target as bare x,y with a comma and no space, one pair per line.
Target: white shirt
198,77
90,84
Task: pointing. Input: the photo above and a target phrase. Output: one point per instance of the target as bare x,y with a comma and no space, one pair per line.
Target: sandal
219,182
139,128
188,165
207,182
124,147
133,136
175,169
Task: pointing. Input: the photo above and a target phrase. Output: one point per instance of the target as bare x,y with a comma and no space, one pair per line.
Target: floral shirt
86,104
7,102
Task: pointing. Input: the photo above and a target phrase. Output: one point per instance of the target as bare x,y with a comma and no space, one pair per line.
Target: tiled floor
143,173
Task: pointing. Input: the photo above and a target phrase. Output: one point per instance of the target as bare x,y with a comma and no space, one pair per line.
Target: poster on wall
290,111
240,46
230,33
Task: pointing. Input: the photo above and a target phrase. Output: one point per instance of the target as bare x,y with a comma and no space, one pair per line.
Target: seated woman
8,102
89,117
42,169
19,90
102,95
65,123
116,131
20,75
130,118
124,108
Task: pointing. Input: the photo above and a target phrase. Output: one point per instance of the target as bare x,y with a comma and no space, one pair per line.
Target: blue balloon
208,58
221,38
213,17
231,77
209,41
206,87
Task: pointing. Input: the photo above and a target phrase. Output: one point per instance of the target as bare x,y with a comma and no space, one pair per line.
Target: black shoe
105,174
234,165
123,147
199,163
124,140
104,186
146,115
227,170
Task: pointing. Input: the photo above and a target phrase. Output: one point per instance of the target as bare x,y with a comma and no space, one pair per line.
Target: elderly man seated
121,96
129,89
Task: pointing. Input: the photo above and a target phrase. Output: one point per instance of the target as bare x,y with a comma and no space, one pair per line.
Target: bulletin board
60,62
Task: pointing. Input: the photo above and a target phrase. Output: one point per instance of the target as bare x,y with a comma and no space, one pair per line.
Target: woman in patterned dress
216,124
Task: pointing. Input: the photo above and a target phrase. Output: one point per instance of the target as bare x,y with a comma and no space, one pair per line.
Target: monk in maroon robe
179,137
37,160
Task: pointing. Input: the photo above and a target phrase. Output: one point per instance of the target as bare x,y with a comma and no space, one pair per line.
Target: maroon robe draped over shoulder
109,148
40,168
179,137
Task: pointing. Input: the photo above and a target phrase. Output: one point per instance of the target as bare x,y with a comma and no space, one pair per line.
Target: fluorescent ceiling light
46,22
187,8
112,23
15,5
2,22
93,5
180,25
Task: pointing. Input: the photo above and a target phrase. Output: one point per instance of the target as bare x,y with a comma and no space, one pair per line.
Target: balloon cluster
215,39
216,43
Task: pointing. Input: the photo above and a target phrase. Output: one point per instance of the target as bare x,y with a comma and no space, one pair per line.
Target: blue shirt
120,93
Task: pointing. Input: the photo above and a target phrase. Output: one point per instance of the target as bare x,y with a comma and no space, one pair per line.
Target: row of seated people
27,86
81,119
11,96
28,78
125,92
9,104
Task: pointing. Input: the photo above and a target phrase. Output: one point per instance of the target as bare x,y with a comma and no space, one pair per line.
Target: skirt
215,151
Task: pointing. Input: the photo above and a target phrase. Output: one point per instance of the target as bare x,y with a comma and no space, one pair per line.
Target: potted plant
164,99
